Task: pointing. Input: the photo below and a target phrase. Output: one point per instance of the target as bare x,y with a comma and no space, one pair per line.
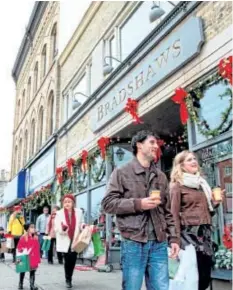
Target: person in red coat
30,242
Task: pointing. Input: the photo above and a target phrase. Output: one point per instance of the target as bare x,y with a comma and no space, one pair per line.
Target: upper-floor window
36,71
51,114
25,151
32,136
18,112
29,87
54,41
20,154
15,161
44,60
80,92
23,104
41,127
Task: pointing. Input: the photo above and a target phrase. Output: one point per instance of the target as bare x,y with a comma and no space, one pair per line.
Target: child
30,242
2,240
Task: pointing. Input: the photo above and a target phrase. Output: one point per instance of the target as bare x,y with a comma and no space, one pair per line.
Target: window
20,155
33,132
111,51
41,127
50,114
80,92
138,26
16,159
23,104
227,171
81,201
65,107
18,113
29,91
25,152
44,61
54,41
35,87
96,197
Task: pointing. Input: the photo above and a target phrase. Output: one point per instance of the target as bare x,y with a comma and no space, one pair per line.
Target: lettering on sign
168,56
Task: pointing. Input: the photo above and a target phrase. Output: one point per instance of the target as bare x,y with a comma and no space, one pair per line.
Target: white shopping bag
10,243
89,252
187,274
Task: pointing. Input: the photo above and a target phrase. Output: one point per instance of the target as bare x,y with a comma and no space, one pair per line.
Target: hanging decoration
103,142
227,237
179,98
225,68
70,164
160,143
84,155
59,173
131,107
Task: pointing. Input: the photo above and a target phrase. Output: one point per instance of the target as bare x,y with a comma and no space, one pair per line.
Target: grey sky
14,17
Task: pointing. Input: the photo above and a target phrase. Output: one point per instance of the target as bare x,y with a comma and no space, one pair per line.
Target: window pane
98,172
81,202
81,88
113,52
121,156
139,26
96,197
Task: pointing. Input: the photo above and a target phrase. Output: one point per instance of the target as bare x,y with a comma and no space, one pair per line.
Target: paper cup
217,194
155,194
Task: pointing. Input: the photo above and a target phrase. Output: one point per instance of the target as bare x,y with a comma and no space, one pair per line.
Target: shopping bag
3,248
173,265
10,244
22,262
89,252
46,244
82,240
98,245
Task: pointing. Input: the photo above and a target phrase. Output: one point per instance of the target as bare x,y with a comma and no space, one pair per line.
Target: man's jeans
149,260
41,240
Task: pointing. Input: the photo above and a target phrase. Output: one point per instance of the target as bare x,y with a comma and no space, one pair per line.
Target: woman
30,242
192,206
68,224
16,227
50,231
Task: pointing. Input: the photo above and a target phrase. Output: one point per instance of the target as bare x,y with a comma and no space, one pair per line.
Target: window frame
44,61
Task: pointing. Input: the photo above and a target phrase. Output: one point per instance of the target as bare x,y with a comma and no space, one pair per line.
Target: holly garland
189,105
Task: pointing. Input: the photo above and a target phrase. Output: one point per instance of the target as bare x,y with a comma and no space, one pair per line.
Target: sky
14,16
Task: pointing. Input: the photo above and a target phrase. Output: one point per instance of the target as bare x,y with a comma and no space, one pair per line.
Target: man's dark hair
140,137
46,207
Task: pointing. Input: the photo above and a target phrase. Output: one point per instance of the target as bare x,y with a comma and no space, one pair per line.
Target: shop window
122,155
96,198
212,107
98,170
138,26
227,171
82,202
81,180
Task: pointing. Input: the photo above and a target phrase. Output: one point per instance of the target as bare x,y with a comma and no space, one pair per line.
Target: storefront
167,59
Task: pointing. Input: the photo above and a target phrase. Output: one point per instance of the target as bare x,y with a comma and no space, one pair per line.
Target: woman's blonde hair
177,170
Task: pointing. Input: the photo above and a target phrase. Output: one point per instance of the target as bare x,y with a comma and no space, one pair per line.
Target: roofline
34,20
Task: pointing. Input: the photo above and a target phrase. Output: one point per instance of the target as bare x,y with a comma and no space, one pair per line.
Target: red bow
59,172
225,68
131,107
160,143
103,142
69,163
84,155
179,98
227,238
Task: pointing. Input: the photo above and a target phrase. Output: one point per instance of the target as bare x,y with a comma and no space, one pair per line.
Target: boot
21,278
32,281
68,284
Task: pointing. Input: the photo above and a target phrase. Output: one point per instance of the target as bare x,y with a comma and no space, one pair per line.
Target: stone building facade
35,75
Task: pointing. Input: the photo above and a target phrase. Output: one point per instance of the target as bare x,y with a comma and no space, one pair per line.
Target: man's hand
149,203
175,248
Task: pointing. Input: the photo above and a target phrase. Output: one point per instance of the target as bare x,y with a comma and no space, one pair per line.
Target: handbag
22,262
89,252
98,245
46,244
82,240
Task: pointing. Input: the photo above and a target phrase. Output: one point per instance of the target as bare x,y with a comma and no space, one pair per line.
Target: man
144,222
41,224
16,227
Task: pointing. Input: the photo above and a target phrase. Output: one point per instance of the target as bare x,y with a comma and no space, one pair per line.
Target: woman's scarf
196,181
71,223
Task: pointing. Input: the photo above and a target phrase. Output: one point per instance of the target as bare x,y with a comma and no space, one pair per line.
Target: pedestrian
2,240
68,224
50,231
16,227
192,205
145,222
30,242
41,224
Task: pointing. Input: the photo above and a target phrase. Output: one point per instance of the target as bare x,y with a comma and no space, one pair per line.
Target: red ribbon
225,68
160,143
131,107
70,163
103,142
84,155
179,98
59,172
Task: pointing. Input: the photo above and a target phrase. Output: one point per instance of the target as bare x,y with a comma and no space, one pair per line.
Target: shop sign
42,171
217,152
166,58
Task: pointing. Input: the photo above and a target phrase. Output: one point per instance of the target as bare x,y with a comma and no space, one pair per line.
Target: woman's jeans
144,259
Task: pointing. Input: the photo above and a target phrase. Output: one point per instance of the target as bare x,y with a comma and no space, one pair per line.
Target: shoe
60,262
32,281
50,262
69,284
21,278
20,286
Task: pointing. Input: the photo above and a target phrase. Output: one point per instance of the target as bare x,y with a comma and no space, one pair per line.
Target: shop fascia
159,63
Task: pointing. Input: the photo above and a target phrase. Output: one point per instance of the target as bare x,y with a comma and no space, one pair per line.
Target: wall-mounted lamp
156,12
120,154
76,103
108,68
